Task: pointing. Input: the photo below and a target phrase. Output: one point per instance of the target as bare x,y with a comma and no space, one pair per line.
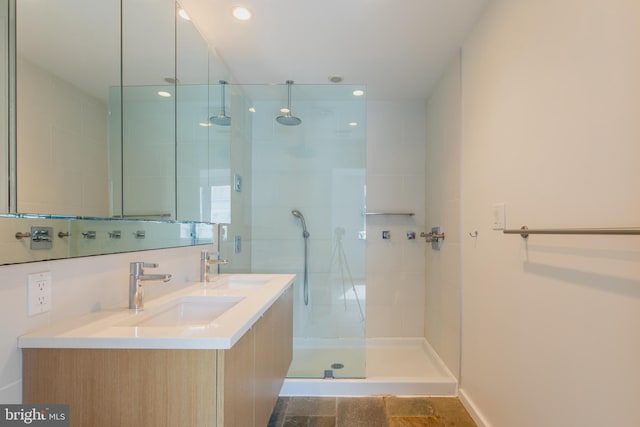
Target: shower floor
398,366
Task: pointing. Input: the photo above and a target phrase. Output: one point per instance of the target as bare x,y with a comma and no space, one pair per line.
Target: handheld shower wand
299,215
305,236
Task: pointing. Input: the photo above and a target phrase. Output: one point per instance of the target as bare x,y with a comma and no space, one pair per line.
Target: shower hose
305,234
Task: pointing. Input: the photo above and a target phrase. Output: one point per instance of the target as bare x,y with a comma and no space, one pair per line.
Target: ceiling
397,48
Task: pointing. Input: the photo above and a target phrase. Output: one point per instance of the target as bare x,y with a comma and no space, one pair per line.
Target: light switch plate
39,293
499,216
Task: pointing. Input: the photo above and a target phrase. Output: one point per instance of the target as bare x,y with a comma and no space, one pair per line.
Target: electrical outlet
39,293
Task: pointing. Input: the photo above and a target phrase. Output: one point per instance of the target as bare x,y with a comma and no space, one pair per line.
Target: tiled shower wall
317,168
396,183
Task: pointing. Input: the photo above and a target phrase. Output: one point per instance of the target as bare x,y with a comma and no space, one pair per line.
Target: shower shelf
389,213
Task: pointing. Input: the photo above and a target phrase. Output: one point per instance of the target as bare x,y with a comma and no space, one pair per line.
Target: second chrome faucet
136,276
206,262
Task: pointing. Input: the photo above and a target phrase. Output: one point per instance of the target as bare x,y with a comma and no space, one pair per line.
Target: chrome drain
337,366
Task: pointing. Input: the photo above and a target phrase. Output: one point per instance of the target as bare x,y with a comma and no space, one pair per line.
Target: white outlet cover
39,293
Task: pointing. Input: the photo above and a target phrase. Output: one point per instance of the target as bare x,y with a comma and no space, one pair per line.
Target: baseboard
472,408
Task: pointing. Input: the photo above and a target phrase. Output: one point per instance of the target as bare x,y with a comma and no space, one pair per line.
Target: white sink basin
187,311
242,281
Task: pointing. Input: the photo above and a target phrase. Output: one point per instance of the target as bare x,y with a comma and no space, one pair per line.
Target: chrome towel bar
524,231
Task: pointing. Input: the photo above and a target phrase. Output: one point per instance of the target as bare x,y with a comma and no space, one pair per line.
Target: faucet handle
137,266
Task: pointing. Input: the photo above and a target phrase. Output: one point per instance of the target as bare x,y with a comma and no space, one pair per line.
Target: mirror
63,83
94,138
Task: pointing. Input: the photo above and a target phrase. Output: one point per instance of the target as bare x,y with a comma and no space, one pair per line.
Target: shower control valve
435,237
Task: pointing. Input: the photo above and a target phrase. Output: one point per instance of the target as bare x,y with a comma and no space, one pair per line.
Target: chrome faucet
206,262
136,276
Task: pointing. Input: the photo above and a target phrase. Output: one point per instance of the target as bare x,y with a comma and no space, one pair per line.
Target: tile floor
372,411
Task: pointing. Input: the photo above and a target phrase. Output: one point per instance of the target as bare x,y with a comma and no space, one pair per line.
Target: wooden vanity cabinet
253,370
213,388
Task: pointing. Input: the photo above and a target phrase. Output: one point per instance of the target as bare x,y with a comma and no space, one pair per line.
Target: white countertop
116,328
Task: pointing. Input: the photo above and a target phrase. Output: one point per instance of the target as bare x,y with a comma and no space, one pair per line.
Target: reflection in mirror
72,126
192,109
149,109
63,81
4,94
20,240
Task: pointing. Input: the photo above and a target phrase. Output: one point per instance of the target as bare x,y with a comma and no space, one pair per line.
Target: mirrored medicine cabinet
105,117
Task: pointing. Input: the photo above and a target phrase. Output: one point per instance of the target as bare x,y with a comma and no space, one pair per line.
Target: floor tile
414,422
296,421
361,412
451,410
279,411
322,422
408,406
312,406
308,421
373,411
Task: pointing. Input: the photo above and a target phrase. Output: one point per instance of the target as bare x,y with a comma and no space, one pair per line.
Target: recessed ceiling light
285,110
336,79
353,124
241,13
164,94
205,124
358,92
183,14
252,109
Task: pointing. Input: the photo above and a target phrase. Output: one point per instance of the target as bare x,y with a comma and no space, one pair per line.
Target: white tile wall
395,182
442,302
317,168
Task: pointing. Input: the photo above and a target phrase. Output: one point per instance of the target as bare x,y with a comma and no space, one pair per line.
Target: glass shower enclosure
299,209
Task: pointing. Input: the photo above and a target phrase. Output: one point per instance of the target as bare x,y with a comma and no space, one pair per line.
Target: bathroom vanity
201,356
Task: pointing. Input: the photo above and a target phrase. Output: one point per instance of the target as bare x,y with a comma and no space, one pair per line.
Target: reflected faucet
206,262
136,276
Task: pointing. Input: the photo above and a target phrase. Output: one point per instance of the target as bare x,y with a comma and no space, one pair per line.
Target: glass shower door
307,192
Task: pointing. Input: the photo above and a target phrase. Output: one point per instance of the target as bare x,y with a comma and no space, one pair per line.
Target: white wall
551,126
395,182
442,273
80,286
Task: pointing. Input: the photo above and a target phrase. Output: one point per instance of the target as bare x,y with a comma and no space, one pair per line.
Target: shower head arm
224,101
289,84
288,119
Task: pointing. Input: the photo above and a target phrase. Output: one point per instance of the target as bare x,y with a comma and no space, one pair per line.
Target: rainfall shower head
221,119
288,119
